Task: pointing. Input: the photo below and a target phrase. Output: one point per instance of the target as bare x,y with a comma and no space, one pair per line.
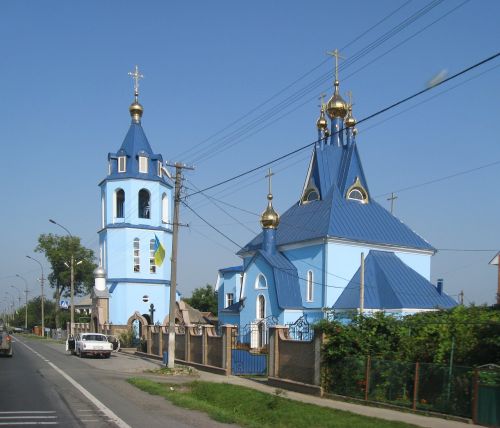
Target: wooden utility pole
496,261
173,275
461,297
362,285
392,199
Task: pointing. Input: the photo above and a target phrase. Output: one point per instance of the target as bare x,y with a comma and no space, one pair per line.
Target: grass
250,408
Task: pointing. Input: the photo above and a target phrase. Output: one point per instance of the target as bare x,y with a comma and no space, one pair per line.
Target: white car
92,344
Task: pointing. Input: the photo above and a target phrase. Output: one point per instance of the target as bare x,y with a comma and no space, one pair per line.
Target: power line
373,115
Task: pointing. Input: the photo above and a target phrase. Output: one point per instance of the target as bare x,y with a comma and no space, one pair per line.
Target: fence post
415,385
475,395
160,340
319,339
367,376
187,343
273,352
149,339
227,340
204,345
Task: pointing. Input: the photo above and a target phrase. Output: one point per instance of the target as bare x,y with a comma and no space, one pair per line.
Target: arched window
312,195
152,263
261,282
144,204
261,307
119,203
309,286
357,192
164,208
137,258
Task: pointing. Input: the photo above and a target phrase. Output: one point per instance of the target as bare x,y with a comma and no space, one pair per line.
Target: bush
127,339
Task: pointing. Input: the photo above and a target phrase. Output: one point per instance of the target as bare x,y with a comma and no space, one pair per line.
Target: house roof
231,269
391,284
332,171
286,279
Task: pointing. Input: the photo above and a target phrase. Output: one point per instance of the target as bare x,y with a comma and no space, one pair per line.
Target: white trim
243,285
257,282
124,160
309,286
226,300
218,282
165,205
143,164
258,307
308,177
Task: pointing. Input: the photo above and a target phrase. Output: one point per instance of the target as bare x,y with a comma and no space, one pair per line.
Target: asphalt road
43,385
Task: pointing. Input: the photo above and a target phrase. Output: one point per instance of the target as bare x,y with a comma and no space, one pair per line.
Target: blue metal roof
286,280
334,170
235,307
391,284
134,145
231,269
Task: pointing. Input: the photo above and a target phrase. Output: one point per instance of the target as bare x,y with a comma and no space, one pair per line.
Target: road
43,385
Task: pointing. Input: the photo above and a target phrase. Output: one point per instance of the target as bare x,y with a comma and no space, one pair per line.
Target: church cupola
269,221
136,108
336,106
350,122
322,123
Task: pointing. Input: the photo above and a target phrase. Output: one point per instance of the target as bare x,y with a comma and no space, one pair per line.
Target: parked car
5,342
89,344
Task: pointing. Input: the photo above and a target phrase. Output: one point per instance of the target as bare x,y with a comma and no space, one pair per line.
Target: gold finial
336,106
135,108
269,218
350,121
321,123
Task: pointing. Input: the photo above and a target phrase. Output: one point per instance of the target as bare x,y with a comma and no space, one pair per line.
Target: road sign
64,304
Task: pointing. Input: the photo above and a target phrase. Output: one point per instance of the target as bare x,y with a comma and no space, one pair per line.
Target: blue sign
64,304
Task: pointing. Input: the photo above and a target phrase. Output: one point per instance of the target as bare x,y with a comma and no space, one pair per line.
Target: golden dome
349,120
322,123
136,111
336,106
269,218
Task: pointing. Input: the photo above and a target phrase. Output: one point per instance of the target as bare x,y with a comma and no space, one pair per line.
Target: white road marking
28,417
28,411
28,423
107,411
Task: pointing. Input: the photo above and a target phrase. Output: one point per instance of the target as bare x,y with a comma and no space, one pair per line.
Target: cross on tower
392,199
349,95
269,175
336,54
321,100
136,76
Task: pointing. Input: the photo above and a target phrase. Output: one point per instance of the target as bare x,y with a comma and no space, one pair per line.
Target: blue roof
391,284
333,170
134,145
235,307
286,280
231,269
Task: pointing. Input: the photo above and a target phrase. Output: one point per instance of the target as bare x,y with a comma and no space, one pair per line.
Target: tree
58,250
204,299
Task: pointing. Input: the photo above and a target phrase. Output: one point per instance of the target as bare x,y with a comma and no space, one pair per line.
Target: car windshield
96,337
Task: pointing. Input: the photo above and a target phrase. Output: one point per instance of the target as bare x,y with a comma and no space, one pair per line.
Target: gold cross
322,100
269,175
136,76
349,95
336,54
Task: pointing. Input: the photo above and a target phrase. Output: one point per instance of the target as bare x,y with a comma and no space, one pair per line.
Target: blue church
308,261
135,238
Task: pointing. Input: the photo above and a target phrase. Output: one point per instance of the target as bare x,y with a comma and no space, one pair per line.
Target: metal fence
420,386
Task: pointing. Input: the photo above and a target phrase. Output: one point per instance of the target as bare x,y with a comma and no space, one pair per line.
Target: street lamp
18,293
41,282
72,290
26,292
12,303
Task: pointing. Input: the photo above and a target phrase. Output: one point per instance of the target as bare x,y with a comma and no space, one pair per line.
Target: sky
231,85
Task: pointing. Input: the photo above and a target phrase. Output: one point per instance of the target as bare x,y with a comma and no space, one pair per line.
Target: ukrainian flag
159,252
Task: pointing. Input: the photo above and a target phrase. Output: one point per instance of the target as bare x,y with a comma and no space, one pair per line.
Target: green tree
58,250
204,299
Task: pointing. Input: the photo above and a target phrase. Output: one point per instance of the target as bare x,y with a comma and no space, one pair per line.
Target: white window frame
257,282
137,255
310,286
160,174
258,307
152,263
164,208
143,164
228,300
122,163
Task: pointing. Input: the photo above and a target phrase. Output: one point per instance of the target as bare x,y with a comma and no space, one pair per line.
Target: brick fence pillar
204,345
149,339
227,347
187,343
319,339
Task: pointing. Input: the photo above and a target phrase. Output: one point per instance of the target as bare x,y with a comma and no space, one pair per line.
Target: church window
119,203
159,169
144,204
357,192
312,195
152,264
109,167
164,208
260,282
137,258
261,307
122,164
309,285
229,299
143,164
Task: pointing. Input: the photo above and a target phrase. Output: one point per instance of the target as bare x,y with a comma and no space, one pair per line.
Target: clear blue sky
65,97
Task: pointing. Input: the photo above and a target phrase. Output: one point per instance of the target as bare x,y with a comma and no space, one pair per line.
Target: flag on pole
159,252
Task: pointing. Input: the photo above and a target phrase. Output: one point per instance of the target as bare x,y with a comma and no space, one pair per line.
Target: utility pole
173,275
392,199
461,297
362,285
42,296
26,308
